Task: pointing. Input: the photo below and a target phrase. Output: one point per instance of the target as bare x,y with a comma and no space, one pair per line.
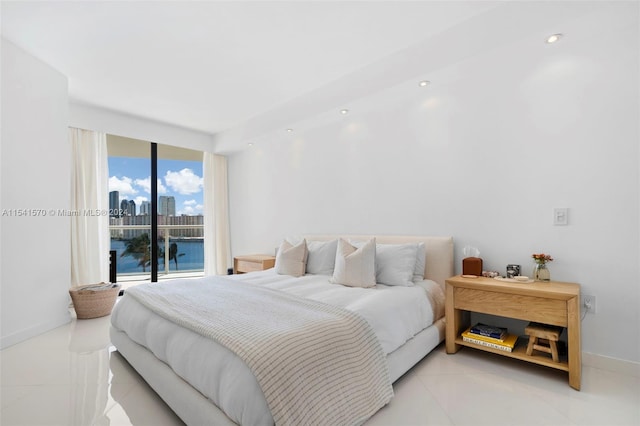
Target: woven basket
93,303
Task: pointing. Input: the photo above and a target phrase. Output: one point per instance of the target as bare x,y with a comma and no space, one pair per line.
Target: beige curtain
217,246
90,240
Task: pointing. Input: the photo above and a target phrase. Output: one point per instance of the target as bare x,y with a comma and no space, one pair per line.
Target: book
489,331
509,339
506,345
472,335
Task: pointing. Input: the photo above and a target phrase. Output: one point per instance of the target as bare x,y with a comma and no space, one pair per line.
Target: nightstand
253,262
553,303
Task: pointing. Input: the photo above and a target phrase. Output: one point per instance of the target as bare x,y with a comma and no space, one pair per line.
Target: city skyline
120,208
177,178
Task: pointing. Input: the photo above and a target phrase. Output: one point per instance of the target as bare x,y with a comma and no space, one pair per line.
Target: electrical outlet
589,304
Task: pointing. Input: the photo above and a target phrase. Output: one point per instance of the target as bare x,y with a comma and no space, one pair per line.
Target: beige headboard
439,261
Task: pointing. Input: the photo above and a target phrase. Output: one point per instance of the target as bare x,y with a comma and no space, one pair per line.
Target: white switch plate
561,216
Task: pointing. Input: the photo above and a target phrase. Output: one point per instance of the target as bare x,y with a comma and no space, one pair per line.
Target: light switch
560,216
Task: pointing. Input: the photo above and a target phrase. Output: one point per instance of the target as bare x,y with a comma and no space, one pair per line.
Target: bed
205,382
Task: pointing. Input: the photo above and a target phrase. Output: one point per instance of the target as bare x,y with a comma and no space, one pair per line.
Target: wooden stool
540,334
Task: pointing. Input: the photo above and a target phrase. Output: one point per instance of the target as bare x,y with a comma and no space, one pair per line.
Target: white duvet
396,314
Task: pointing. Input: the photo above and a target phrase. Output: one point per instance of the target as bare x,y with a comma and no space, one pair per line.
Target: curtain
90,240
217,247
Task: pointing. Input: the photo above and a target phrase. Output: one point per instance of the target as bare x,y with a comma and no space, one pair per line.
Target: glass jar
541,272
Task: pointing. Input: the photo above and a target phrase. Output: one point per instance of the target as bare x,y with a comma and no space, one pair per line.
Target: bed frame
193,408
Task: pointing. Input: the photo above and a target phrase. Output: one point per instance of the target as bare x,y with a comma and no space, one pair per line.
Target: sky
181,179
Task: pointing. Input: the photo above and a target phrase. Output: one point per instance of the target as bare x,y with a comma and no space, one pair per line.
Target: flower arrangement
541,258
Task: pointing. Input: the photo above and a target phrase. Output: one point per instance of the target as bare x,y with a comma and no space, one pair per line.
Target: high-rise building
114,203
167,205
145,208
124,207
132,208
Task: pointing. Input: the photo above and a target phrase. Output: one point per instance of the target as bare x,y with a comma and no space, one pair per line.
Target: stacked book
490,336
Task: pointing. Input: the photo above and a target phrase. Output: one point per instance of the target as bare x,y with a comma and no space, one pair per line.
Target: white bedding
396,314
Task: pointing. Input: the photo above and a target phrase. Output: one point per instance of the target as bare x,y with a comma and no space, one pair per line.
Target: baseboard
36,330
616,365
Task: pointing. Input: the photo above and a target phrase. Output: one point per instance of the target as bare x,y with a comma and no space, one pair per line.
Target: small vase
540,272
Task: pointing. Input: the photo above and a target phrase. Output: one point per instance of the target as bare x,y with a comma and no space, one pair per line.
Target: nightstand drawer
246,266
531,308
252,263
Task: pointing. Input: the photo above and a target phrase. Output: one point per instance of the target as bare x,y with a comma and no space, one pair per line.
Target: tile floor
73,376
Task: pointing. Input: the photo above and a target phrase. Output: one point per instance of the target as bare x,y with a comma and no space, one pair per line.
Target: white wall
484,154
119,124
35,251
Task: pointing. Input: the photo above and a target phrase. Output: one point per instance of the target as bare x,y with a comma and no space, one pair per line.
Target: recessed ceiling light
553,38
250,144
344,111
289,130
424,83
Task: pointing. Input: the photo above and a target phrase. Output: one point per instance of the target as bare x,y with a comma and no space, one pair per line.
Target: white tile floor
73,376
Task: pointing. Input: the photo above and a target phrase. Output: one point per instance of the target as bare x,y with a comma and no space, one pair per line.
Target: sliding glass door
180,212
129,214
156,222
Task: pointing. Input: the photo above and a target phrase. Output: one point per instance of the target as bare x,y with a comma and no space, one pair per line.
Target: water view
190,257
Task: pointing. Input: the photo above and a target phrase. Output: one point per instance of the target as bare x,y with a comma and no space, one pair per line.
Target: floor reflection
90,373
72,375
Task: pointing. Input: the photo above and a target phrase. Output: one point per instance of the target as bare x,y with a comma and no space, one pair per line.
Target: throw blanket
317,364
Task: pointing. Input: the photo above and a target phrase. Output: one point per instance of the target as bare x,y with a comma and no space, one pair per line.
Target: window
178,213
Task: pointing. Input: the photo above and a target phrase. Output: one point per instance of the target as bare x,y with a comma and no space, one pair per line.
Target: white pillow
322,257
290,259
355,267
396,263
418,272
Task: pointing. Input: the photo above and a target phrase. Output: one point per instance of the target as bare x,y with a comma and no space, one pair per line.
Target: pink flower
542,258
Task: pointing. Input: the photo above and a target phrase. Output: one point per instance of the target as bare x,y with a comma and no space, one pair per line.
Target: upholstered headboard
439,258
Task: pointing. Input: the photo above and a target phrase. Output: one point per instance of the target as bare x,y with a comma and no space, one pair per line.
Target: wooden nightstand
552,303
253,262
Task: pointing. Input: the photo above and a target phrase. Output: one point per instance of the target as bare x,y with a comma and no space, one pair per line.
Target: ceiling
237,68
